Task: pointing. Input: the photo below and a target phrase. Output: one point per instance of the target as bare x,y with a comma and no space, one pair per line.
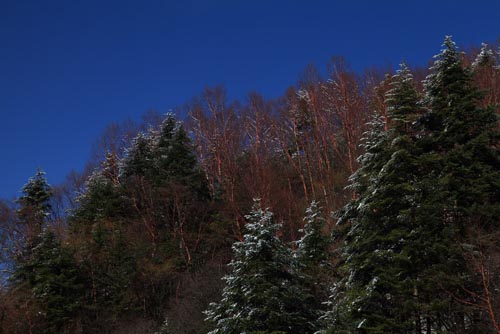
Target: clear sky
69,68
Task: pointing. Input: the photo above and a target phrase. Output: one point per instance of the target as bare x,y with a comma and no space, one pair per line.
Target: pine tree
405,270
338,318
138,161
174,159
485,58
169,198
174,192
103,199
166,186
376,294
312,256
486,73
461,146
109,267
454,117
53,278
34,206
97,228
262,294
374,143
312,248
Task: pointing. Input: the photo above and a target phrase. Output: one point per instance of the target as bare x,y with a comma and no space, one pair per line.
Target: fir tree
109,267
53,278
34,206
462,149
262,293
312,248
485,58
138,161
376,294
174,159
97,229
454,117
312,256
374,143
405,270
103,199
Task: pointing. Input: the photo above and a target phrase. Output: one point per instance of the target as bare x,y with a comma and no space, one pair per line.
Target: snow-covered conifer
34,206
261,291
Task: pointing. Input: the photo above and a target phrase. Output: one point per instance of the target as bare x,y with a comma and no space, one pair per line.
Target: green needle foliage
421,185
262,293
53,278
34,207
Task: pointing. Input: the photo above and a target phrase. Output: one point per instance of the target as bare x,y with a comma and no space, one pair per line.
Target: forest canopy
354,203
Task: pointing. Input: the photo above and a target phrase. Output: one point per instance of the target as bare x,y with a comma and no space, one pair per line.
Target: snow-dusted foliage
371,295
444,61
312,246
371,162
138,158
34,207
35,201
51,274
420,186
485,57
261,292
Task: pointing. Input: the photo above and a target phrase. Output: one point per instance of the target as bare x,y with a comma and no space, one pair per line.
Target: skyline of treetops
357,202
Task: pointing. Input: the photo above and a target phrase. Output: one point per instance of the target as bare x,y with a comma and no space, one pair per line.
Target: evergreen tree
312,256
485,58
174,159
312,248
454,115
175,192
52,277
138,161
103,199
376,294
461,146
262,293
165,159
169,197
109,267
165,183
374,143
34,206
97,229
404,262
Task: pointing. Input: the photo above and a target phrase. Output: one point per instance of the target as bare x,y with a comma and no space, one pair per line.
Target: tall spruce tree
461,187
375,144
312,248
312,256
103,198
428,187
262,294
454,116
52,277
175,162
138,161
376,294
97,229
484,59
34,206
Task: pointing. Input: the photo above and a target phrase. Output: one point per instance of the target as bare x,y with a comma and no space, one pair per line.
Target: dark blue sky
69,68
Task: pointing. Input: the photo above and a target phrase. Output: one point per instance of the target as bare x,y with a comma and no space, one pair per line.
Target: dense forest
355,203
